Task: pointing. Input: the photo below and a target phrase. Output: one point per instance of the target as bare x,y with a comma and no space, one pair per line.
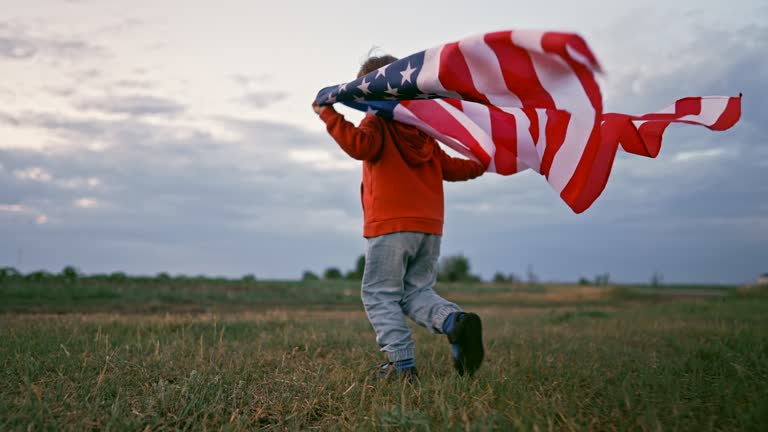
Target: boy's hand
318,109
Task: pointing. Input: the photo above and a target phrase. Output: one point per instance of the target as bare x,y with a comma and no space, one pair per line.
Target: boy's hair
374,63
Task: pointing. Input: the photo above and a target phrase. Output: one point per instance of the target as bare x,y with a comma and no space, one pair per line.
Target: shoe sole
470,341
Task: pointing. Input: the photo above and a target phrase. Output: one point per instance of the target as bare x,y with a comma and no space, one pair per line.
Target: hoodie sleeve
458,169
363,142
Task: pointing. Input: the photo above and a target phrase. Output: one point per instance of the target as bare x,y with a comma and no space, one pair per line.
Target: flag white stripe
473,128
478,114
527,154
486,72
565,88
404,115
711,110
428,80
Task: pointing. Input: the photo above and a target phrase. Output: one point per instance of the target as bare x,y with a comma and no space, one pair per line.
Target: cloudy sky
176,136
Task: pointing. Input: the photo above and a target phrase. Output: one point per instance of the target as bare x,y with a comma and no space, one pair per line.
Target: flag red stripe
454,74
518,71
445,123
601,170
554,43
555,130
504,133
730,115
650,135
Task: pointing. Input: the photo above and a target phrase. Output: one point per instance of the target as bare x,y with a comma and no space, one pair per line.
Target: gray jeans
400,274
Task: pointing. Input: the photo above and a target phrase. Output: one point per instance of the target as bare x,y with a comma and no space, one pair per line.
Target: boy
402,198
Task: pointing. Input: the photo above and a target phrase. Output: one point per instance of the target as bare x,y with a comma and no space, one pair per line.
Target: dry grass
683,366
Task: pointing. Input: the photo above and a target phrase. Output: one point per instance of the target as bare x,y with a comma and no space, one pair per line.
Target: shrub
69,274
309,276
332,273
455,268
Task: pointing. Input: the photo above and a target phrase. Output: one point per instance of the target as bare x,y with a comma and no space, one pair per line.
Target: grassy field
295,356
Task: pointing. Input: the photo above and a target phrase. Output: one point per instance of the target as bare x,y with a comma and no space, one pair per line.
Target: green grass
190,295
599,360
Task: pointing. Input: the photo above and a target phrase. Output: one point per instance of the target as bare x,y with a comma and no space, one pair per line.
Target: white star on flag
390,90
382,71
364,87
343,87
407,74
331,98
371,111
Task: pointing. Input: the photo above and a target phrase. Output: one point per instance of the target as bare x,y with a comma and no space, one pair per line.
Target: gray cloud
136,105
246,80
134,84
198,195
16,49
263,98
16,44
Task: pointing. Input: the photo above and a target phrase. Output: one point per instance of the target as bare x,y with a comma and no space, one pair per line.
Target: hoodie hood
415,146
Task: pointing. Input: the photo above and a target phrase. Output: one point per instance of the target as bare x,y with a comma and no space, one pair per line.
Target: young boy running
402,198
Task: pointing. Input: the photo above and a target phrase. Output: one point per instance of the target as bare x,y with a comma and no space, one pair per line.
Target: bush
8,273
499,278
455,268
656,279
70,274
39,276
603,279
357,273
309,276
332,273
118,276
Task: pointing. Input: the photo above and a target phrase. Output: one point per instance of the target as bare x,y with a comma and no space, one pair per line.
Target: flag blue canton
379,91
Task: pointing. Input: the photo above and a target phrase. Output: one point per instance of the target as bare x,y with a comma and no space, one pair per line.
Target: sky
177,136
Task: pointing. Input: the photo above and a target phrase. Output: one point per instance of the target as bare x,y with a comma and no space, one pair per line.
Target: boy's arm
363,142
458,169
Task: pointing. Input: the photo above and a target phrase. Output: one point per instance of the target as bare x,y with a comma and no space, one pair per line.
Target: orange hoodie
403,173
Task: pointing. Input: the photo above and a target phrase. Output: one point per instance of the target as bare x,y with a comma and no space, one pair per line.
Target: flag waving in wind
517,100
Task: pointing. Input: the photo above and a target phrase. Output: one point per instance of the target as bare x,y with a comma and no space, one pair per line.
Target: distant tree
118,276
360,265
584,281
456,268
603,279
357,273
163,276
332,273
499,278
8,273
533,278
249,278
656,279
309,276
38,276
69,274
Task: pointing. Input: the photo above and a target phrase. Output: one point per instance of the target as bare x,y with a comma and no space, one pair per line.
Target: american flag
518,100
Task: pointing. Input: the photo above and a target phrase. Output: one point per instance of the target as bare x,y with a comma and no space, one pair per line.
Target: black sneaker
466,336
388,372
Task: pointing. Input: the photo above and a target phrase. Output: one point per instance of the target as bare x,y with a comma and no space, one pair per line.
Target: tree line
451,268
